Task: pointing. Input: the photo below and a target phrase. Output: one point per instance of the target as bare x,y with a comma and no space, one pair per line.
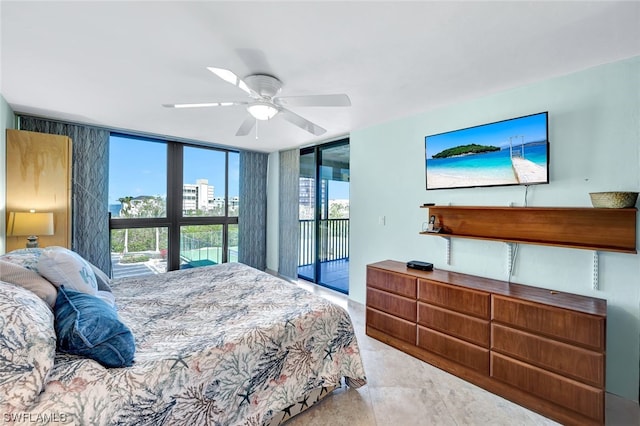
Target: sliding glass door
307,215
324,215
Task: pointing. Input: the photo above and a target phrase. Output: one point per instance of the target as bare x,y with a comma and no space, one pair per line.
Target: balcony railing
334,241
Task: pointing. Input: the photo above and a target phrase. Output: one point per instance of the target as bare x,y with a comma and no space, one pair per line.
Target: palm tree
125,211
153,207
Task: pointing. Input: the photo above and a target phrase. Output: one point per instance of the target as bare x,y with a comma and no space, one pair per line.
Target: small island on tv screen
509,152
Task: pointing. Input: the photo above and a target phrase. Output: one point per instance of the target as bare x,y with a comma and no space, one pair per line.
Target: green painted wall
7,120
594,139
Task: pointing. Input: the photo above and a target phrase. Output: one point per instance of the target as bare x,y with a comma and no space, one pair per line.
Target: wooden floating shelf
575,227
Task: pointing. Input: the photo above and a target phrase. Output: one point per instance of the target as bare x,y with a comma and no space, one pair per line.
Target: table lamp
30,224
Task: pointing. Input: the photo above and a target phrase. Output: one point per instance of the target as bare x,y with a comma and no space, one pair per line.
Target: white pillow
64,267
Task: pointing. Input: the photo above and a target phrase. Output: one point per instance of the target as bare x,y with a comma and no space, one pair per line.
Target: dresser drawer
403,285
394,327
568,393
454,349
393,304
571,326
467,301
465,327
578,363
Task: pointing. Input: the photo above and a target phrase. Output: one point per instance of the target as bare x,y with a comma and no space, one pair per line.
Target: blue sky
532,127
138,167
338,190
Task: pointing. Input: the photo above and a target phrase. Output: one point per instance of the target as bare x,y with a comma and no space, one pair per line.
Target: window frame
174,219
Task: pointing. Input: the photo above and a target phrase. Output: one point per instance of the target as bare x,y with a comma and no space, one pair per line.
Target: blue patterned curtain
90,171
288,237
252,218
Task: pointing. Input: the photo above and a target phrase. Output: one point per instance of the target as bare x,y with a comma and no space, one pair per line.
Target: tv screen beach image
509,152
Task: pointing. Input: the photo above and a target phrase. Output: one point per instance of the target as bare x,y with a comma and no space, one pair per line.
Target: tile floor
402,390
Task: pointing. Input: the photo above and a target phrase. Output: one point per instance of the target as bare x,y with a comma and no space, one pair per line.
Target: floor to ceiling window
324,215
172,205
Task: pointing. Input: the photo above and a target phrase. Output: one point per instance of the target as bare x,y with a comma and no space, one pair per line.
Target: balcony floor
334,274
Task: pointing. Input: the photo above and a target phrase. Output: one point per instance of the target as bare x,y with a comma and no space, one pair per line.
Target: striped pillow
26,278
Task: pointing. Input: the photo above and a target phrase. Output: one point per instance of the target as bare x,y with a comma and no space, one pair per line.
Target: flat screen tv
508,152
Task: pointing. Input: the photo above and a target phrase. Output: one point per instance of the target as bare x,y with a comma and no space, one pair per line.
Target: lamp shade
30,223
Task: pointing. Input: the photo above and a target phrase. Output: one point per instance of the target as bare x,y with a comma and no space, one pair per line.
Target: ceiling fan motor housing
265,85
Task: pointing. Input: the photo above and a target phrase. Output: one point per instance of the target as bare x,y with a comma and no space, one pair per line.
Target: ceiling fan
265,104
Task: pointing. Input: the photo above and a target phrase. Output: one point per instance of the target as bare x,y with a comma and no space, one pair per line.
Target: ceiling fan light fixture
262,110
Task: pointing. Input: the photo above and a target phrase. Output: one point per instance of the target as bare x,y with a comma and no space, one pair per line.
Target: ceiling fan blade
314,100
246,126
230,77
203,104
301,122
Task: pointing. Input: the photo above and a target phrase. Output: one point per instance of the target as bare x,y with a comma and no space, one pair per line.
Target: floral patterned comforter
218,345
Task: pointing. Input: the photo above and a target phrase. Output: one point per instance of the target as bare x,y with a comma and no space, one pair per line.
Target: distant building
198,196
218,203
307,197
234,202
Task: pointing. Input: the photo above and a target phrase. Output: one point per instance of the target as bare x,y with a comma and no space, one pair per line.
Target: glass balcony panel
233,250
200,245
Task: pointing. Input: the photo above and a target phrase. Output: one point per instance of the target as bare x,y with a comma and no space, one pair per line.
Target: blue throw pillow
87,326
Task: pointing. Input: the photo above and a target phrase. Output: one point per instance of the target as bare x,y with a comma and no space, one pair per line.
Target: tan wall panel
39,177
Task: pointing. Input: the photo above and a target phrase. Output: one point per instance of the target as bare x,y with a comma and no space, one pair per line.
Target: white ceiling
114,63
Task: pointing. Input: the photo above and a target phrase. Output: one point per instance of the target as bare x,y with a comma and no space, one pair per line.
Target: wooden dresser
542,349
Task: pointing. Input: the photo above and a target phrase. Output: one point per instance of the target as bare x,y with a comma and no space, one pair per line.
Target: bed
216,345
